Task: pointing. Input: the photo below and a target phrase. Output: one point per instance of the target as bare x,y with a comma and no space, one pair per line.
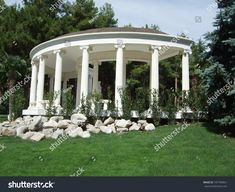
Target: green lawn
194,152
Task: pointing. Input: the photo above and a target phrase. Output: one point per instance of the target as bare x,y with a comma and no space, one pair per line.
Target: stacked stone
38,128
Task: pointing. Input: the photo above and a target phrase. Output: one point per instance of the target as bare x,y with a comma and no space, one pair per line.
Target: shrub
19,103
68,104
168,105
51,109
156,112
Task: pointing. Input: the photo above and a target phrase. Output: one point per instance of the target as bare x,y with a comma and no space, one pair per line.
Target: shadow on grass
215,128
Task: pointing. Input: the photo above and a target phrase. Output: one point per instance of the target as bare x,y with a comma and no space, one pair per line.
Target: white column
85,72
119,75
154,74
58,77
33,87
41,80
95,77
51,86
78,94
185,71
124,73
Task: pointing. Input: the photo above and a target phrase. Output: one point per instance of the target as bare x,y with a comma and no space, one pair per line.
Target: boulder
27,120
50,124
142,122
98,124
44,119
78,119
112,126
27,135
122,129
135,127
92,129
21,130
48,133
84,134
89,126
70,128
76,132
37,136
150,127
56,118
6,124
128,124
108,121
8,131
57,134
63,124
105,129
19,120
36,124
122,123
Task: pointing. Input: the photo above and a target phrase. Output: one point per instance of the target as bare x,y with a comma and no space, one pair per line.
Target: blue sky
173,16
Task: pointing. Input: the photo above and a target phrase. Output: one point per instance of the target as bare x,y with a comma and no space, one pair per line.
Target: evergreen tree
218,78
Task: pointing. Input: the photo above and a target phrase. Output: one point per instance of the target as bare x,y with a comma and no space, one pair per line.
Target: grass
194,152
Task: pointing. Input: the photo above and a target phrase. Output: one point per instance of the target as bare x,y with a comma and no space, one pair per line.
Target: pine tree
218,78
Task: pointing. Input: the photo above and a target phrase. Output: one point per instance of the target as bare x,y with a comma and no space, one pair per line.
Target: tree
218,78
105,17
12,67
26,25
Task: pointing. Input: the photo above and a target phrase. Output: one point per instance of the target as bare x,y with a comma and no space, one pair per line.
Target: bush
19,103
156,112
51,109
168,105
67,103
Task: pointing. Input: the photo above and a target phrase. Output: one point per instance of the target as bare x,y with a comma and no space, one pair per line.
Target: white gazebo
78,56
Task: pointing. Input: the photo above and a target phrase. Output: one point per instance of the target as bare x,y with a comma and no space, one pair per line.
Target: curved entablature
94,38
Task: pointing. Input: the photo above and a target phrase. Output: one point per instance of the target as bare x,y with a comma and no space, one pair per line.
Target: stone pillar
119,75
33,87
58,77
185,71
85,72
154,74
95,77
78,94
41,80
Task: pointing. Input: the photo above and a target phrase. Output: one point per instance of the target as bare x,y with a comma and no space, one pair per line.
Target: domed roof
116,29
